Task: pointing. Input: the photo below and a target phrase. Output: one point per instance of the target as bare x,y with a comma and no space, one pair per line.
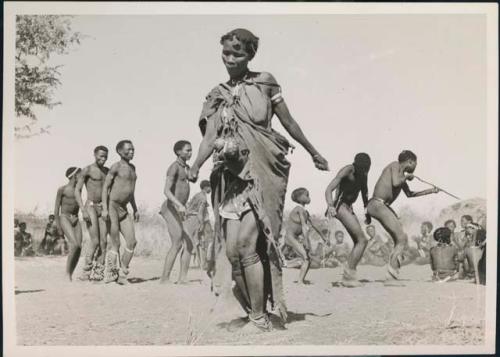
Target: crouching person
444,257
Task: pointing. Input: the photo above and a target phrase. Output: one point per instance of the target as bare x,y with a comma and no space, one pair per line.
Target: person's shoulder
115,166
172,169
267,77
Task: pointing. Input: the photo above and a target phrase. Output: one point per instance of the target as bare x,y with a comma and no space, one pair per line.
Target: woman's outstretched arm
292,127
205,150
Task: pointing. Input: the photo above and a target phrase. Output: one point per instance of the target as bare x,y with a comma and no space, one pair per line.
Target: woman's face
235,57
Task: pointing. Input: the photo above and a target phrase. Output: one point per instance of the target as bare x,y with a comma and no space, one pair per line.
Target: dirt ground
52,311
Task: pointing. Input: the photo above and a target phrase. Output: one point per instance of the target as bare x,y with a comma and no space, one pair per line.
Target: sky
355,83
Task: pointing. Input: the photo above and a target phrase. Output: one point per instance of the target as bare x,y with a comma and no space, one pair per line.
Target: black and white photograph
191,179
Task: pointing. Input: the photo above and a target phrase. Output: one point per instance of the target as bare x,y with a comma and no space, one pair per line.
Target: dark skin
65,205
119,190
347,176
241,235
176,190
390,184
93,177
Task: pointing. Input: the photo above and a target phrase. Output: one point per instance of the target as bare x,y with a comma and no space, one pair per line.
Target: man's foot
166,281
350,277
390,281
182,282
85,275
98,272
351,283
262,322
122,276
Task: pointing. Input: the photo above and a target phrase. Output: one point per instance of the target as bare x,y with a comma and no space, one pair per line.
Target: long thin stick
439,188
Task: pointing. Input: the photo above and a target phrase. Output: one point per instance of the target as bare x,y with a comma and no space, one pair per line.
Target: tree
37,38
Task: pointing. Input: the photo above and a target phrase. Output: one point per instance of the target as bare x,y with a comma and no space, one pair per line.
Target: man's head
442,235
205,186
301,196
72,173
183,150
465,220
339,236
370,230
16,223
101,155
409,161
51,218
22,226
362,163
426,228
125,149
239,46
451,225
472,228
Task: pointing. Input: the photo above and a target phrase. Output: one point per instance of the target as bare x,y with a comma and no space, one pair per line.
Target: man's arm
397,177
172,174
113,171
57,206
410,193
78,192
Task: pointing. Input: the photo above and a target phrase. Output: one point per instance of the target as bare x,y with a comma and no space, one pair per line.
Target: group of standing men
109,191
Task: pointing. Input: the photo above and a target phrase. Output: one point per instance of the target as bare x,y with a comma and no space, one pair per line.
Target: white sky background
374,83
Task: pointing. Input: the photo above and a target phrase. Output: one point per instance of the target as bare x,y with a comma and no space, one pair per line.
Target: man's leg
351,224
188,242
93,228
74,245
101,252
111,271
174,226
392,225
128,231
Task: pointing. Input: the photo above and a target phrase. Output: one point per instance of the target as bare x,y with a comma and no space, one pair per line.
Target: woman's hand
320,162
193,174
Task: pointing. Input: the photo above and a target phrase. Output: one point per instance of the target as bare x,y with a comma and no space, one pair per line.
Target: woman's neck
238,78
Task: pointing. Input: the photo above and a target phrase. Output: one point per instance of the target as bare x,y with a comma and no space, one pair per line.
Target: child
340,248
443,257
173,211
196,219
297,226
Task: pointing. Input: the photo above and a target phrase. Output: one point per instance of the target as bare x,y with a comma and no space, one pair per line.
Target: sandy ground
52,311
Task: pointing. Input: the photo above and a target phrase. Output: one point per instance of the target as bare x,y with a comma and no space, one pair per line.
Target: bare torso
384,188
294,225
443,258
94,181
69,205
122,190
180,183
349,189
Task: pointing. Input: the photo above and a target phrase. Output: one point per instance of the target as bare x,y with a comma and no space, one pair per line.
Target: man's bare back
386,187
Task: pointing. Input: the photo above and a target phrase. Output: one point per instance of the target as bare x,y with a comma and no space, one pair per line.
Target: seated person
443,257
341,249
27,241
475,252
376,253
50,237
18,239
424,243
